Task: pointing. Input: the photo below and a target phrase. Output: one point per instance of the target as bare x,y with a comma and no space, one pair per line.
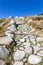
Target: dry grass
4,27
38,25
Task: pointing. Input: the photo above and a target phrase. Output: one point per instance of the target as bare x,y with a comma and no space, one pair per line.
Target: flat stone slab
5,40
34,59
19,55
2,62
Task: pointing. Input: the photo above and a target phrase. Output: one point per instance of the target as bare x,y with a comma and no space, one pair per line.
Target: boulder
19,55
34,59
4,52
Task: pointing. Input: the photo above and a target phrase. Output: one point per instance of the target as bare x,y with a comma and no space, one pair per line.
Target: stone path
27,51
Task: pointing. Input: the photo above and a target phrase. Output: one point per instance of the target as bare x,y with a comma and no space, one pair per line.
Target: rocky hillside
21,40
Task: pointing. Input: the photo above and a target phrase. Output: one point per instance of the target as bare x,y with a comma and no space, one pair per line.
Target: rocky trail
20,42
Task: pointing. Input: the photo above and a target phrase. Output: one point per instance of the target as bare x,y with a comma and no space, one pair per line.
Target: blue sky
20,7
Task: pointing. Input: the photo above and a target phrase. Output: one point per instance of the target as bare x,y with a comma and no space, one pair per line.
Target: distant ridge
40,14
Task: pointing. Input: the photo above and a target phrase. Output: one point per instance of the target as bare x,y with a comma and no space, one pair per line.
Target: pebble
25,60
22,40
28,50
26,44
21,48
